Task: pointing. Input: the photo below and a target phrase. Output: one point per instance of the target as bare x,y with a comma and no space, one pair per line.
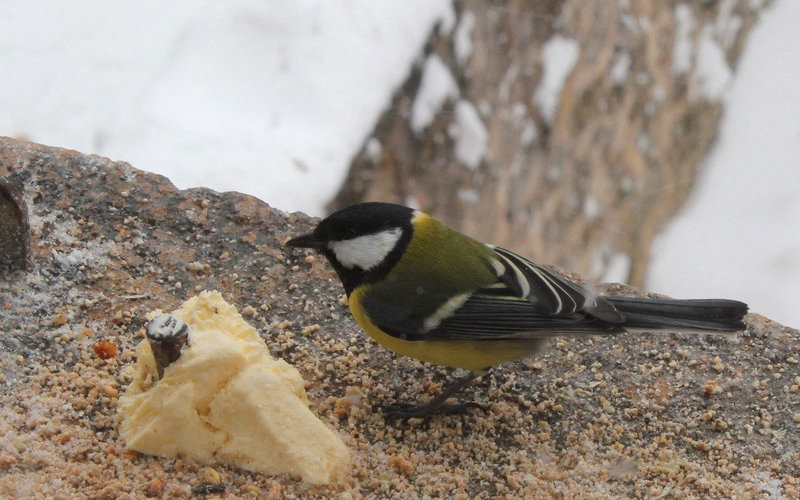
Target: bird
424,290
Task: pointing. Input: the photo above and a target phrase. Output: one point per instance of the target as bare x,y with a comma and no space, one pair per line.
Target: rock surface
632,416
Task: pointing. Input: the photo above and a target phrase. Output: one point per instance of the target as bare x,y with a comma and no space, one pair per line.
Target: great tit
424,290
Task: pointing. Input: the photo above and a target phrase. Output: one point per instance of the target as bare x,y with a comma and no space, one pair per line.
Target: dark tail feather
705,314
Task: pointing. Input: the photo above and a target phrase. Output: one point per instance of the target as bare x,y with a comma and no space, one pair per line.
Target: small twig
167,334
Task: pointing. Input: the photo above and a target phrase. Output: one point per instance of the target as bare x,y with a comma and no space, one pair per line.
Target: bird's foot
405,411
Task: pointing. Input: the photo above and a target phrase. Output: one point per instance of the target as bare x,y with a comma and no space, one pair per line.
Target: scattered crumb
712,387
104,349
59,319
196,267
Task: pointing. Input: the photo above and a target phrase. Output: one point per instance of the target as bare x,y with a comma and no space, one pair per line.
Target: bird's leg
435,405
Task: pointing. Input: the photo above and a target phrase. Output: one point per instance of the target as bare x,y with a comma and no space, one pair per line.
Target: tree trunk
581,173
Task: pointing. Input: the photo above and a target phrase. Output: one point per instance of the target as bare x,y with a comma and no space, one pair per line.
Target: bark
588,182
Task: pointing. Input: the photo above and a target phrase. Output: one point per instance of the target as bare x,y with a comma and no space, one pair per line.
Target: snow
682,50
258,97
712,75
471,136
620,68
469,195
373,149
528,134
727,24
591,208
559,55
617,269
739,235
509,79
437,85
462,37
94,256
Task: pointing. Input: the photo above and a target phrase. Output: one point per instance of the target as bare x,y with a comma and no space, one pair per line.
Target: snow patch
470,134
712,75
559,55
469,195
682,50
727,25
528,134
436,86
373,149
591,208
462,37
618,269
509,78
518,111
93,256
446,18
620,68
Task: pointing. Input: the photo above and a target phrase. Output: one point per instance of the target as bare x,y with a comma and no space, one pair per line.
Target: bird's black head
362,242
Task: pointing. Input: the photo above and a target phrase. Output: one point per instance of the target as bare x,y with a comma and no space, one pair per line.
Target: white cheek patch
366,251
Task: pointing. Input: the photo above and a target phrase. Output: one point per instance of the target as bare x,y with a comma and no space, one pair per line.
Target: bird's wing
524,301
490,314
551,294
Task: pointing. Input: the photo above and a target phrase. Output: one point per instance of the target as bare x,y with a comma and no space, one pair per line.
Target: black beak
307,241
